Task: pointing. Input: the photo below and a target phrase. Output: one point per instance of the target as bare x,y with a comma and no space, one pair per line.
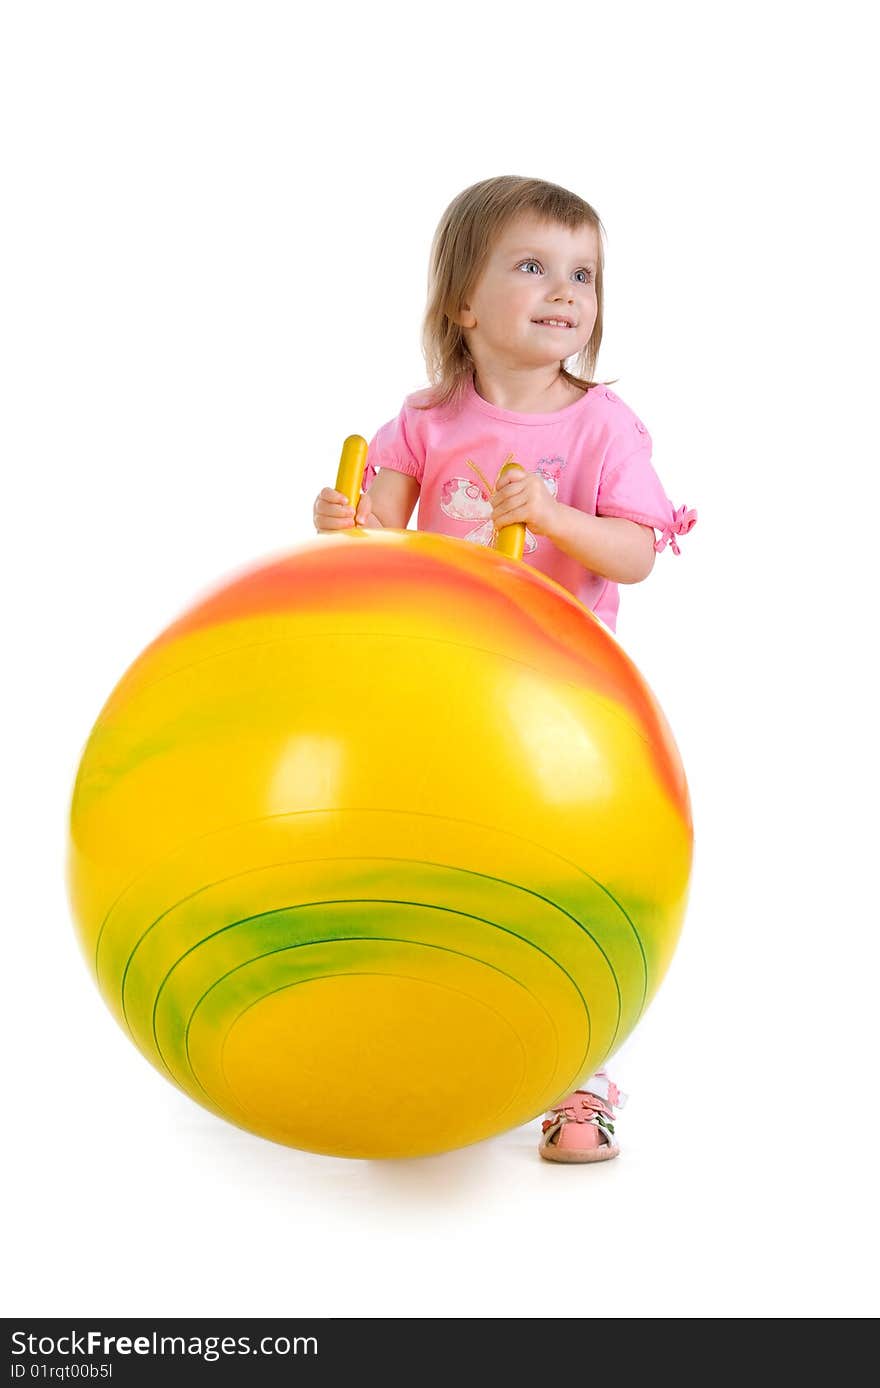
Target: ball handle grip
509,541
350,477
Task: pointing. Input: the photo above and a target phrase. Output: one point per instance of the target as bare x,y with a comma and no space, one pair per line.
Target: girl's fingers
332,511
333,508
518,492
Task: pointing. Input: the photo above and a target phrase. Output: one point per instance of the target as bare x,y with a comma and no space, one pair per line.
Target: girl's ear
465,318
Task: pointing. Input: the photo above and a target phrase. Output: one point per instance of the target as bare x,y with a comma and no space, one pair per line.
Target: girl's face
536,271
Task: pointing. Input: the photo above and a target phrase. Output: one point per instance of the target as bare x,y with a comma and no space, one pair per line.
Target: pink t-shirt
594,455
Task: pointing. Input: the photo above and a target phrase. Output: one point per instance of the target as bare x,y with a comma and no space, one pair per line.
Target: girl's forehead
529,233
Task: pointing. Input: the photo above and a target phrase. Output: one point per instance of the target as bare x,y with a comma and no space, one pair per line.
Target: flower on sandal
585,1108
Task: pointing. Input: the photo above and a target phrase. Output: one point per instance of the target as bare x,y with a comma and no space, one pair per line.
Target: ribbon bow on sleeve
682,521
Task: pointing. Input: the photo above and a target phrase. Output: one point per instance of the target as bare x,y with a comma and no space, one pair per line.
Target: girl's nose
563,291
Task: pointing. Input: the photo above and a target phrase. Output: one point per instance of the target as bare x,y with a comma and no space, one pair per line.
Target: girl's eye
585,276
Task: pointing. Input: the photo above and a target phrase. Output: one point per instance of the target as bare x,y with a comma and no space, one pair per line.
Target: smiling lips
552,322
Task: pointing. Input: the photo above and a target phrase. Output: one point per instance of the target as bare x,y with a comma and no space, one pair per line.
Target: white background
217,222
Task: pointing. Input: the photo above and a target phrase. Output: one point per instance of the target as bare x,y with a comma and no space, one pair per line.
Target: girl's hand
332,512
523,497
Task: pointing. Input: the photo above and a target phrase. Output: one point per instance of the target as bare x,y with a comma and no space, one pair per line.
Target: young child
515,292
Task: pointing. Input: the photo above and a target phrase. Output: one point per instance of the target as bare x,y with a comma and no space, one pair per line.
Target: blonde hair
462,242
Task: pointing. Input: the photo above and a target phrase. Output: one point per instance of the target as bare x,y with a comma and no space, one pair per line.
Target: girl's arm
390,501
610,546
618,549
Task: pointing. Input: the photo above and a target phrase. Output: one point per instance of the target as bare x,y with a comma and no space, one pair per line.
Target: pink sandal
580,1128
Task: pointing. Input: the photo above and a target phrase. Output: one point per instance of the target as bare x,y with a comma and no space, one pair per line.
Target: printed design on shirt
464,500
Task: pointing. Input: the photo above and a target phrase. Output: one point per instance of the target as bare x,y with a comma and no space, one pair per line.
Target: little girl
515,291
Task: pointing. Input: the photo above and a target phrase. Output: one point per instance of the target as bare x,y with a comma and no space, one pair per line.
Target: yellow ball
382,847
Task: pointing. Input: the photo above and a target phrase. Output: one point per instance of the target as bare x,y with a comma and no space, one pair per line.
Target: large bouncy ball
382,847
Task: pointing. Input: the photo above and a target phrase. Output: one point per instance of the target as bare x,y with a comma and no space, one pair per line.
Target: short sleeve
395,446
631,489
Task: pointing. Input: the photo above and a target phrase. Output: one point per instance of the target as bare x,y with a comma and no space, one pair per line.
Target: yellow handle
511,539
350,477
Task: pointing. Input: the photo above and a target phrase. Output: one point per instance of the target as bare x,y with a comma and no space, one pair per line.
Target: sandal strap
582,1107
551,1126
